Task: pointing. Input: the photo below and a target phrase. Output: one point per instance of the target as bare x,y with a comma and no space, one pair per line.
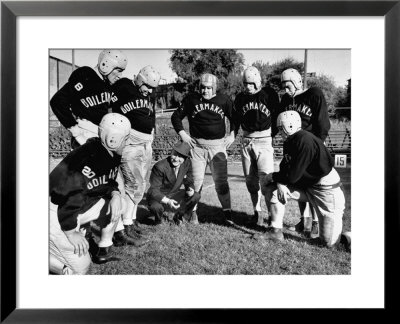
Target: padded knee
83,266
327,232
271,194
252,184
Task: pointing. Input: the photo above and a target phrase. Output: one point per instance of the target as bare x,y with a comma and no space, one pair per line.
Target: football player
312,108
83,101
306,174
253,111
83,188
132,99
207,113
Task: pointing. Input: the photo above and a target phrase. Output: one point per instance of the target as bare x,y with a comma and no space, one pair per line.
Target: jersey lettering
96,100
102,179
301,109
139,103
209,107
88,172
78,86
256,106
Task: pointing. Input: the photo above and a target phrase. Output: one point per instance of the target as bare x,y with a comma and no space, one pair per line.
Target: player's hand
78,241
230,139
190,192
187,139
115,207
173,204
283,193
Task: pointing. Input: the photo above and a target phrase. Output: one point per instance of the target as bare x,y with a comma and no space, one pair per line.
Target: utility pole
305,69
73,60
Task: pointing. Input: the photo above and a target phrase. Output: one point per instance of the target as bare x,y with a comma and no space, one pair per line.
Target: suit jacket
163,181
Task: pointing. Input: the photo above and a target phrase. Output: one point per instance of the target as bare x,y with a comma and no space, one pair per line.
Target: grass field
214,248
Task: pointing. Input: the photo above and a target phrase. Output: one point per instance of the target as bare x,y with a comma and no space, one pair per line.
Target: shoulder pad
83,73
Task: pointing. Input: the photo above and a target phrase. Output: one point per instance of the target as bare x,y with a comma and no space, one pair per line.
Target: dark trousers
159,210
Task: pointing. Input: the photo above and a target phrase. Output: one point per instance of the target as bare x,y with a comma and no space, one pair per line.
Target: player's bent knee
271,193
82,267
252,185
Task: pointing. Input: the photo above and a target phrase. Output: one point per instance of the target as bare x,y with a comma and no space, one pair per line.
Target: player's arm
291,172
176,120
67,191
320,119
232,127
274,103
61,106
236,115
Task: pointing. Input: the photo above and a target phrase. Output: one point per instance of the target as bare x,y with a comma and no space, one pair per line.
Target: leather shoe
103,255
120,239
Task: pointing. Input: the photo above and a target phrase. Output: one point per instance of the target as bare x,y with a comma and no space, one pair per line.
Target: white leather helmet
209,80
110,60
252,75
289,121
113,129
293,76
148,76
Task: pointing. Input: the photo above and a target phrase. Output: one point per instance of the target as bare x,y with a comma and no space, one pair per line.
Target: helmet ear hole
113,129
289,122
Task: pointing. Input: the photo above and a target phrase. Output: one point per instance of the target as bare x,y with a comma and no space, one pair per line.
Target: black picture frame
11,10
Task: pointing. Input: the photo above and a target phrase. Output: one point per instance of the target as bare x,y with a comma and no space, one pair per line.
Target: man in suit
165,197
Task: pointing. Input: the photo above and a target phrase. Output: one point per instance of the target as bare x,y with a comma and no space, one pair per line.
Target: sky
332,62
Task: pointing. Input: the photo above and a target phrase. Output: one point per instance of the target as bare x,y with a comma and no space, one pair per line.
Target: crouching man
307,175
166,199
83,189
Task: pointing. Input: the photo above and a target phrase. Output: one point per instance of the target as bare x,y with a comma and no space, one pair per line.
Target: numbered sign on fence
340,161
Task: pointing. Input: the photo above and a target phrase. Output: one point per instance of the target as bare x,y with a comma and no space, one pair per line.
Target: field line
213,184
234,178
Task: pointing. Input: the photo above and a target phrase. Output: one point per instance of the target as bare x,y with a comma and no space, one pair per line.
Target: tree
344,100
189,64
327,85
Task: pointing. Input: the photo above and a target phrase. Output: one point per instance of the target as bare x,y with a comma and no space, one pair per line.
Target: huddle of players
112,121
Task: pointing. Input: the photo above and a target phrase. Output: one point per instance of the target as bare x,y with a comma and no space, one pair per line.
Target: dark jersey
83,177
128,101
206,117
305,160
255,112
311,106
85,95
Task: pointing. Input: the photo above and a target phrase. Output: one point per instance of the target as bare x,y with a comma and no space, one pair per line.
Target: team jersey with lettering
206,117
255,112
85,95
82,178
305,160
311,105
128,101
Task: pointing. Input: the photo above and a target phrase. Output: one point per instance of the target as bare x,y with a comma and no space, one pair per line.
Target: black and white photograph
171,161
200,161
